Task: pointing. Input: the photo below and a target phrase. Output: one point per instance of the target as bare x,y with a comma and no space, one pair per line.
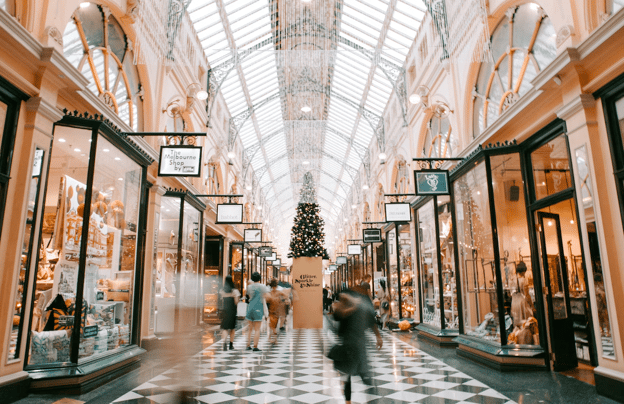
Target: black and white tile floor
296,370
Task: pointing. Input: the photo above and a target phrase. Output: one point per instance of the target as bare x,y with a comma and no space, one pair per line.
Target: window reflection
551,168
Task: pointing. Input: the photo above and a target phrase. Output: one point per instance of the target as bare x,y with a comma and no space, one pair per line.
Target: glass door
554,267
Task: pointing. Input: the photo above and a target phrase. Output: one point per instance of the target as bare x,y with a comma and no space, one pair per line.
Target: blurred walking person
255,309
230,296
277,301
384,303
356,315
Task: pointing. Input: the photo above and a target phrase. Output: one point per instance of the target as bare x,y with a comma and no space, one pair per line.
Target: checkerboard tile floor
296,370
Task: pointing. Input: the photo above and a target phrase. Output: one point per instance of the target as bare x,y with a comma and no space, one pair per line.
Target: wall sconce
195,91
441,109
420,96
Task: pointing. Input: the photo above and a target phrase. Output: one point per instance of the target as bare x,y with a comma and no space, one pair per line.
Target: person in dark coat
356,315
230,296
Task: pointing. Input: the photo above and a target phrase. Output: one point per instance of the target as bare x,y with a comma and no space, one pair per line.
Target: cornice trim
603,33
576,105
20,34
43,107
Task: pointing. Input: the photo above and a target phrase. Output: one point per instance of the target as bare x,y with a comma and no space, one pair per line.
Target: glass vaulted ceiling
227,28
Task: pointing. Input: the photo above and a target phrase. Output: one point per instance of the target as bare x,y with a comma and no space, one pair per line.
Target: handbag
343,358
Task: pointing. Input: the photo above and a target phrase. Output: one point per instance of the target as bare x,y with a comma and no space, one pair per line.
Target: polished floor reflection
296,370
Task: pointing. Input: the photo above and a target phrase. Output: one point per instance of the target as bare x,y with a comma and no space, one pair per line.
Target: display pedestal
307,277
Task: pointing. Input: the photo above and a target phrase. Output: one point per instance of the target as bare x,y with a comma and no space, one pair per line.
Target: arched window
440,140
95,44
522,45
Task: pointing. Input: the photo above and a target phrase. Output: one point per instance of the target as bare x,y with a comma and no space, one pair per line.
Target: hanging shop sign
371,236
273,257
265,252
180,161
354,249
341,260
253,235
332,268
36,171
398,212
276,263
229,213
431,182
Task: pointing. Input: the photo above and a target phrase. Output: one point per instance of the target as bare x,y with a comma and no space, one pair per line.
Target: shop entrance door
554,266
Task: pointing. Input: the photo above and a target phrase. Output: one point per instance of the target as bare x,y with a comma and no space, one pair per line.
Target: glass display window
436,252
10,99
476,254
179,281
94,207
237,268
551,168
28,255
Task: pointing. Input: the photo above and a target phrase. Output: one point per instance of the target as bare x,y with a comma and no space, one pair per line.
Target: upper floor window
522,45
95,44
617,6
440,140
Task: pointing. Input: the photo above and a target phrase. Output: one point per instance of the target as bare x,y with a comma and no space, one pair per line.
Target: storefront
179,281
237,266
435,251
524,293
85,299
10,101
399,275
213,277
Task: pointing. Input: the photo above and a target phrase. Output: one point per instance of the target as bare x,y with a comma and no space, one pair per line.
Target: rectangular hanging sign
265,252
431,182
180,161
229,213
253,235
371,236
354,249
36,171
398,212
332,267
276,263
341,260
272,257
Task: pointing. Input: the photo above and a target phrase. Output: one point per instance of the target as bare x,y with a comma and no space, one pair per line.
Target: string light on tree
307,237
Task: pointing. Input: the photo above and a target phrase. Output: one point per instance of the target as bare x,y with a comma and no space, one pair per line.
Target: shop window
477,264
588,214
83,299
551,168
97,46
178,285
28,252
9,112
429,273
514,249
440,140
522,46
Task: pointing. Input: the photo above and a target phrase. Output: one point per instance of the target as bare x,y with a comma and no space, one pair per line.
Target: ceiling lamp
414,98
353,206
202,95
248,188
382,156
231,155
85,4
305,108
364,186
305,163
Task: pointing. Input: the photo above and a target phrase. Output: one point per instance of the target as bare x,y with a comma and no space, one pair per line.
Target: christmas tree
307,238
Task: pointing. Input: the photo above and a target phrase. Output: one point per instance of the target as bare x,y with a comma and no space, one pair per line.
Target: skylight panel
399,37
275,147
417,8
353,160
352,35
331,166
390,46
365,15
410,21
360,30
